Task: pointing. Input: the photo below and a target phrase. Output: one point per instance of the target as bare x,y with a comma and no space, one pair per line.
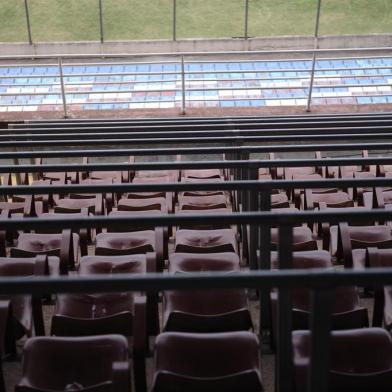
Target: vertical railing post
183,87
246,19
63,95
320,325
101,21
253,175
284,342
174,20
28,21
316,45
265,264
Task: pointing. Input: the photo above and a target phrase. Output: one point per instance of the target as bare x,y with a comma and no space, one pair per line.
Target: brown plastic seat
114,176
361,360
130,243
26,310
353,241
155,203
329,234
347,312
348,171
59,177
383,197
204,193
311,200
302,239
94,205
64,245
18,210
45,199
206,311
170,175
169,196
199,262
382,310
204,226
129,314
207,362
213,202
206,241
279,200
202,174
132,237
297,193
5,313
364,195
94,364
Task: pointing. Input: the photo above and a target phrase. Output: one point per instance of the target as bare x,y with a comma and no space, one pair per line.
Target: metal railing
183,82
322,282
101,21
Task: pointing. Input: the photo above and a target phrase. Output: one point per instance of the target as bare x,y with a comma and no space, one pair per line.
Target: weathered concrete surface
194,45
196,112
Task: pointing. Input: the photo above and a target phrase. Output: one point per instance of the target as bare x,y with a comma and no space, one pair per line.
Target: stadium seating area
208,84
134,174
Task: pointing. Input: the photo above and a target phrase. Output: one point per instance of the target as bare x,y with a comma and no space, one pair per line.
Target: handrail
246,129
254,185
200,140
224,164
191,53
385,130
247,149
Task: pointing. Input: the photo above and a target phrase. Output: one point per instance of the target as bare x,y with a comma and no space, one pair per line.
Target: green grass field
72,20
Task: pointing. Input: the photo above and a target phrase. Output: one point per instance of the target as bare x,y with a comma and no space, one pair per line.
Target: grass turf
73,20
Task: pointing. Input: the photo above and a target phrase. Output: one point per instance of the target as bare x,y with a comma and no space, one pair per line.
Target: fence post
28,21
63,95
101,20
246,20
183,87
316,36
284,353
174,20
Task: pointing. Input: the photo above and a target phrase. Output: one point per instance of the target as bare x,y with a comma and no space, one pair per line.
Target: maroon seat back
81,363
209,362
361,360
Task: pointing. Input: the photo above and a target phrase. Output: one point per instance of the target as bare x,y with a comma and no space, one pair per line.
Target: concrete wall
194,45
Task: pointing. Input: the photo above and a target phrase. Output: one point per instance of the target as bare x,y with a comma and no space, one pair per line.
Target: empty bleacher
188,254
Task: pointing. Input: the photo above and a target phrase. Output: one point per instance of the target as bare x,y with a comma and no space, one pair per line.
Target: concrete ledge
194,45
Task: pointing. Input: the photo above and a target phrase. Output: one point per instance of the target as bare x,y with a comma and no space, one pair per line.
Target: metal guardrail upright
101,31
174,20
26,5
183,86
63,92
246,19
316,36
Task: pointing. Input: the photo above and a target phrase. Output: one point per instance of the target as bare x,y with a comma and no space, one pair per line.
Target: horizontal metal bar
198,61
206,186
156,151
272,218
200,140
177,54
228,127
301,133
249,164
141,282
195,124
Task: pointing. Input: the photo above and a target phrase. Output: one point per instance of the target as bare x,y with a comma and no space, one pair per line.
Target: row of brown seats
174,305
